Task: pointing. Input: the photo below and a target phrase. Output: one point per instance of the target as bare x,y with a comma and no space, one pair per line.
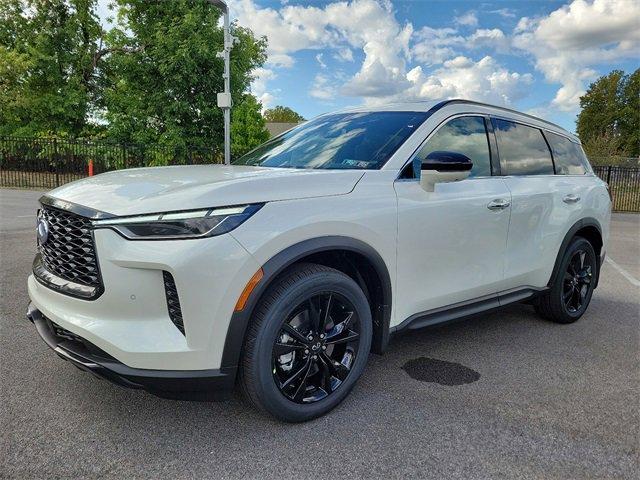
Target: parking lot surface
502,395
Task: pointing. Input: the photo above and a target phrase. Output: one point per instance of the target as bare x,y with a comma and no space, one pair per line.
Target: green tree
248,128
48,66
630,118
281,114
609,120
162,72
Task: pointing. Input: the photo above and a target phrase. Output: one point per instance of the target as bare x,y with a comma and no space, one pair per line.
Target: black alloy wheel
571,289
316,347
307,344
577,281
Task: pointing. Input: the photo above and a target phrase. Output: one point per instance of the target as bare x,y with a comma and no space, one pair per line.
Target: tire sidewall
272,399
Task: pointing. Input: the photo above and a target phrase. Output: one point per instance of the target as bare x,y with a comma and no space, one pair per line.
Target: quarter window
567,155
523,149
466,135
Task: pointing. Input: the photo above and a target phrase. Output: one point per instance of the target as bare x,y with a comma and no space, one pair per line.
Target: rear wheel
570,294
308,343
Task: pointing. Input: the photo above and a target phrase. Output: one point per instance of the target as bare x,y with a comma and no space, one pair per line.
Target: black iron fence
624,183
50,162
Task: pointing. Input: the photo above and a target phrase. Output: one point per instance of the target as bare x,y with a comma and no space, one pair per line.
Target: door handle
571,198
498,204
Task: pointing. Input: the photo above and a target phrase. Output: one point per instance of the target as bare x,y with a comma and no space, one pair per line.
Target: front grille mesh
173,302
69,252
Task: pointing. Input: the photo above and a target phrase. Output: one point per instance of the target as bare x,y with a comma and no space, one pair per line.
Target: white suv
284,270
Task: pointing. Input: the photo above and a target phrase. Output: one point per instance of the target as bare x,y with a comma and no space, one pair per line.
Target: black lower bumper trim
199,385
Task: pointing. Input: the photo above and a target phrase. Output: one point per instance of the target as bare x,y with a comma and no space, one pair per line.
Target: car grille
69,251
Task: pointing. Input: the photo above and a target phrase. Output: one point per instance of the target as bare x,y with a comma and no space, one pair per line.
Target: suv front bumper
203,385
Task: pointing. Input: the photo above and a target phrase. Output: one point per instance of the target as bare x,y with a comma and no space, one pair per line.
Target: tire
285,338
571,291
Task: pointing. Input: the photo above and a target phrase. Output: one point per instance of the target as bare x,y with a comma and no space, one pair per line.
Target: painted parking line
623,272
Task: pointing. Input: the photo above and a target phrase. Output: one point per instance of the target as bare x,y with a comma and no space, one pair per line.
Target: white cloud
493,38
259,86
570,41
485,80
341,26
389,49
435,45
376,80
322,88
319,60
504,12
469,19
280,60
344,54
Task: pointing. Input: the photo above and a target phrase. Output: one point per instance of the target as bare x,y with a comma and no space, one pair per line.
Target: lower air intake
173,302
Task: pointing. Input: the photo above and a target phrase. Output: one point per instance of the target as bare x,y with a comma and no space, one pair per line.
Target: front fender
287,257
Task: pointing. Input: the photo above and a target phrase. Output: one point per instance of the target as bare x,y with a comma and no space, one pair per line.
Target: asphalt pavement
503,395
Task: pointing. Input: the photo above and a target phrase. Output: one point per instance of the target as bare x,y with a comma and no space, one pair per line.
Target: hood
161,189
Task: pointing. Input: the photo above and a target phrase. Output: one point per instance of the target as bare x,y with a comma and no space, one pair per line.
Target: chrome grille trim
67,260
61,285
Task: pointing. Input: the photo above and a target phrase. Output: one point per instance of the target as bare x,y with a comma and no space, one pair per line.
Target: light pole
224,98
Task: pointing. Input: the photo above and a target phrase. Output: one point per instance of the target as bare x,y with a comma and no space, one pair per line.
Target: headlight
180,225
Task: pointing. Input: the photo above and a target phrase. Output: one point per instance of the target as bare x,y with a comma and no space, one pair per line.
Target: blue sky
534,56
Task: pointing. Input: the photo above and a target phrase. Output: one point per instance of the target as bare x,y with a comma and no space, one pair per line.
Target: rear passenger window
566,155
466,135
523,149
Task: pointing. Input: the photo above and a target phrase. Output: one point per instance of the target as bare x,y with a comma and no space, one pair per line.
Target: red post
91,168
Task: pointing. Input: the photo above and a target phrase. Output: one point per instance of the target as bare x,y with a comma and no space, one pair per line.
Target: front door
452,241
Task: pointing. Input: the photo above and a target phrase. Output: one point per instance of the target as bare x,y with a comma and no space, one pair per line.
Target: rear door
541,203
452,241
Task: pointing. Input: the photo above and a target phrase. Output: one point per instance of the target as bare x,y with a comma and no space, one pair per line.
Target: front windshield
364,140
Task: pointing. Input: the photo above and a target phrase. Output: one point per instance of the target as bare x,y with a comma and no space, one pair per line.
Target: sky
534,56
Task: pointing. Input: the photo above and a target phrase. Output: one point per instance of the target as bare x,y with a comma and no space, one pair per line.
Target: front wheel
308,343
569,296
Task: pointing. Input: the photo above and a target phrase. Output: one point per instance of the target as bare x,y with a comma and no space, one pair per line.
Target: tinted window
466,135
523,149
344,140
566,155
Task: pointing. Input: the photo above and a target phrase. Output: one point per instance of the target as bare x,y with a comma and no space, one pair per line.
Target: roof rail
510,110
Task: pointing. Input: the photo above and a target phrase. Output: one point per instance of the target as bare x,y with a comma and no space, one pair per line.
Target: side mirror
442,166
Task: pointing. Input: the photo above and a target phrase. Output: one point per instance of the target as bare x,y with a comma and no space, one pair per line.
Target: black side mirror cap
443,161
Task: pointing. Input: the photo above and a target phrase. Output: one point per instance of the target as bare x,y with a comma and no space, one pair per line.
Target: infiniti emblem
42,230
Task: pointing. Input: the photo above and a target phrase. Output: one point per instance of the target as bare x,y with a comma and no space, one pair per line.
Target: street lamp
224,98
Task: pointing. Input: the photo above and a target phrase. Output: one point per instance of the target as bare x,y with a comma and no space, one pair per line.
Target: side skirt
462,310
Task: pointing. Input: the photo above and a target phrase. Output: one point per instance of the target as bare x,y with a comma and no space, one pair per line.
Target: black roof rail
510,110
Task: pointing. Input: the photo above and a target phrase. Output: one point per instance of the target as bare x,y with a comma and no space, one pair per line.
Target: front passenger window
466,135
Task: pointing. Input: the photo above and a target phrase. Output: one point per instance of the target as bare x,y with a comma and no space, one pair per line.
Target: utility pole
224,98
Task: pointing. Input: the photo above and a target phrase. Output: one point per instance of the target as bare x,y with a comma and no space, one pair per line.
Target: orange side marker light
251,284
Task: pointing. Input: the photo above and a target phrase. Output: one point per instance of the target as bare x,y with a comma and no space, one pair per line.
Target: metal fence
624,183
50,162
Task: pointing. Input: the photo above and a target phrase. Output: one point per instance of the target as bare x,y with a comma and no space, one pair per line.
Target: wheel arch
588,228
354,257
